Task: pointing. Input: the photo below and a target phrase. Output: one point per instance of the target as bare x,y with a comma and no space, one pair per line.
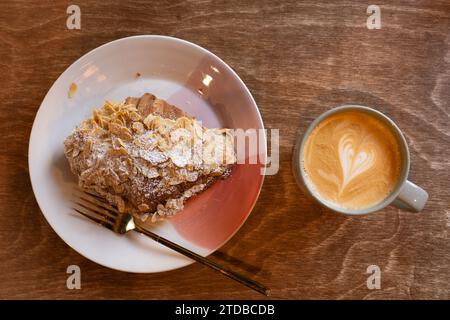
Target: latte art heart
352,159
353,163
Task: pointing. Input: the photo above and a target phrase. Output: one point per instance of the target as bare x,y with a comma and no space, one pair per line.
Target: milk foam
352,159
353,163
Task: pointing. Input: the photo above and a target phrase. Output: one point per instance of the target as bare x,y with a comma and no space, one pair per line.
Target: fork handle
205,261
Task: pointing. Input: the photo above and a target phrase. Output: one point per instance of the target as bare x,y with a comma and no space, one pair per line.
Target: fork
95,208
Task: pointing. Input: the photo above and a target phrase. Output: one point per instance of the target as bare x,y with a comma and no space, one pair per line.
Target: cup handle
411,197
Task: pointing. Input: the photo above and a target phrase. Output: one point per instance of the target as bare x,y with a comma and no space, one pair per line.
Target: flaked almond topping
109,108
120,131
123,116
149,122
134,116
183,122
121,142
143,207
87,146
118,121
130,107
116,143
163,145
97,118
75,152
118,152
176,180
138,127
117,188
150,173
165,126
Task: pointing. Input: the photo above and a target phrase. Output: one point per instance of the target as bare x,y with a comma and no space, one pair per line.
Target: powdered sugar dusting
147,166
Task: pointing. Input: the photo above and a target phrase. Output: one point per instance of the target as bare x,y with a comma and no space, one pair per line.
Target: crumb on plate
72,90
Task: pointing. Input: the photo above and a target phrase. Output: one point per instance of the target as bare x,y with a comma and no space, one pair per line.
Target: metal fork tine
99,206
101,213
96,200
95,195
96,219
106,205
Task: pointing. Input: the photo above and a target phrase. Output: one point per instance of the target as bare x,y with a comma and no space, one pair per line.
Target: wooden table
297,59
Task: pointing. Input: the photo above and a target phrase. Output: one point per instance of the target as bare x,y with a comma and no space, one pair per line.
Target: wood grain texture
298,59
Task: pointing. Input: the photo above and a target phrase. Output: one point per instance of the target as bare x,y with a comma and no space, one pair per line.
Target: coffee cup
355,160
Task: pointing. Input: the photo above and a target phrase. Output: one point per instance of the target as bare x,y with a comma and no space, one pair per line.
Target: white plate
182,73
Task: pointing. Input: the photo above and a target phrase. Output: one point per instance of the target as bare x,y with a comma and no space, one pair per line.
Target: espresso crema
352,159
